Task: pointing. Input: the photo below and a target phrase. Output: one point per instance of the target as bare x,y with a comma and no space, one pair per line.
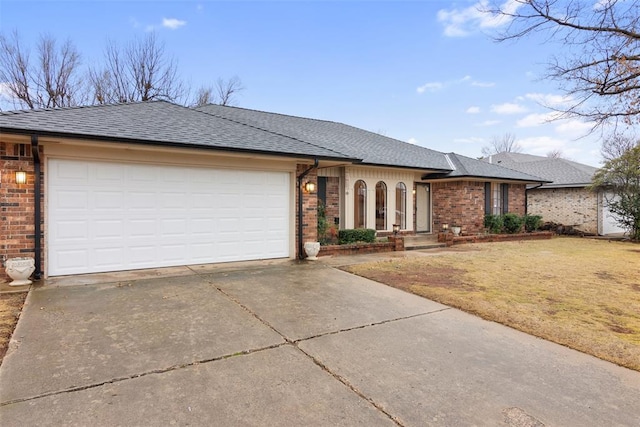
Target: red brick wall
458,202
309,208
517,198
333,199
16,204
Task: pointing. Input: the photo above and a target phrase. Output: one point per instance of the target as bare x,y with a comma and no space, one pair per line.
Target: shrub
367,235
532,222
493,223
323,224
512,223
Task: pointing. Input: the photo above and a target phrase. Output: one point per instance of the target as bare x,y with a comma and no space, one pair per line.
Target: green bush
493,223
346,237
532,222
512,223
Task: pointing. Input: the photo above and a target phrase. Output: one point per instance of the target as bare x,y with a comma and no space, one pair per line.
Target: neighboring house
154,184
566,199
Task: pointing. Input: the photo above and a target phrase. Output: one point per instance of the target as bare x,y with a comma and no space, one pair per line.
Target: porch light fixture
445,226
21,177
310,187
396,229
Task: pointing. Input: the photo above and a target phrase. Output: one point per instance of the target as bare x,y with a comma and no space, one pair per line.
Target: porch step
422,241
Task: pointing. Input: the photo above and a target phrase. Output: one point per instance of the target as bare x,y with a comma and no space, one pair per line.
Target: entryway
423,208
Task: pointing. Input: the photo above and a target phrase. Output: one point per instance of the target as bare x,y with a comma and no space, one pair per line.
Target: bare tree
501,144
52,80
599,67
616,145
141,71
555,154
223,93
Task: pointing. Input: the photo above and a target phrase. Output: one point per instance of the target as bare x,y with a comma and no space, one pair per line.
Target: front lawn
582,293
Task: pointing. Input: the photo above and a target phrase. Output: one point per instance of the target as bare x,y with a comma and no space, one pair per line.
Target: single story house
566,199
154,184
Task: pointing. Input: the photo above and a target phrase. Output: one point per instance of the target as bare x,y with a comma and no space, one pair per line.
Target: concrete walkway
285,343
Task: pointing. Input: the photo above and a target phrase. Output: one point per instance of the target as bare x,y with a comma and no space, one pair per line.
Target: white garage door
113,216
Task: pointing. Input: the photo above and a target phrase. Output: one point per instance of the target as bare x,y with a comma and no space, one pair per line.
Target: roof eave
103,138
440,177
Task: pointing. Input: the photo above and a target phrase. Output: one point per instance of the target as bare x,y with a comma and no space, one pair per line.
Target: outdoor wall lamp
21,177
310,187
445,226
396,229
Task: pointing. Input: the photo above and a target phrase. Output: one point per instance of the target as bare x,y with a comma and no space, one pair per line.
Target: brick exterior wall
576,207
309,208
459,202
462,203
517,198
16,204
333,199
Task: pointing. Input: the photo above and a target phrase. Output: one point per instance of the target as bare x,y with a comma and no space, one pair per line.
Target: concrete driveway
289,344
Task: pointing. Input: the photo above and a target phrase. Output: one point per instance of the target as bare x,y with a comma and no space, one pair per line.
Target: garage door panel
109,216
108,229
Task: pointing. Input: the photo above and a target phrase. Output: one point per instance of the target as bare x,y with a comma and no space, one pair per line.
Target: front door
423,208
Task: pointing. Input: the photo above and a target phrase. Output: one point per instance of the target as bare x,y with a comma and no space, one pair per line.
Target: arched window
381,206
401,205
359,204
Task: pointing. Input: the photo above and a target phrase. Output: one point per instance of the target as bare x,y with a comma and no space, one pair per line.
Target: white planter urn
312,249
456,230
19,269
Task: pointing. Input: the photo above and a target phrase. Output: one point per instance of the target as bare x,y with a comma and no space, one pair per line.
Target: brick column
309,207
16,204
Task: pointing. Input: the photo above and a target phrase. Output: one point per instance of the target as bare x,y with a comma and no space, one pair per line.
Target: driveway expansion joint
142,374
351,387
354,328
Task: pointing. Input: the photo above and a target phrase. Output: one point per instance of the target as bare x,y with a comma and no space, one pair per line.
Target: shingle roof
468,167
561,172
159,122
372,148
238,129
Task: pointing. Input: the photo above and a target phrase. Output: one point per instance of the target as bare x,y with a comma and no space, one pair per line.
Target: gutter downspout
299,184
37,214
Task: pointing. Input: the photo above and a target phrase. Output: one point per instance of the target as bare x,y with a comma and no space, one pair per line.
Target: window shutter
505,197
487,198
322,189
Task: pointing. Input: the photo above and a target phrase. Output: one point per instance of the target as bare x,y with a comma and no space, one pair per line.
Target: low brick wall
394,244
451,240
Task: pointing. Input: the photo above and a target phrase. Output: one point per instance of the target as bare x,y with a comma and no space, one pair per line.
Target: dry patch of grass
581,293
10,308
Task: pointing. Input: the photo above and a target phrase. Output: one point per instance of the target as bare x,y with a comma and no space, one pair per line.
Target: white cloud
463,22
550,99
508,108
473,110
413,141
430,87
538,119
436,86
574,128
489,123
470,140
173,23
541,145
483,84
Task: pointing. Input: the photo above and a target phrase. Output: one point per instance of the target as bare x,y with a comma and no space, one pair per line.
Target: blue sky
426,72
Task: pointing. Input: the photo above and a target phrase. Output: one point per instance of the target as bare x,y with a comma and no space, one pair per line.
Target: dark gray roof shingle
466,167
239,129
159,122
372,148
560,172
